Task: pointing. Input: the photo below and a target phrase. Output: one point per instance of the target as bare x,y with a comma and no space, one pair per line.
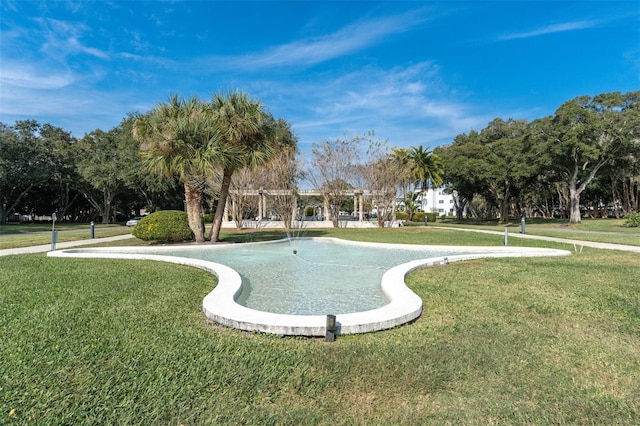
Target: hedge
166,226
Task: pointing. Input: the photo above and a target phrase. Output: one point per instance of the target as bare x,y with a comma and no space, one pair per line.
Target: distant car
134,221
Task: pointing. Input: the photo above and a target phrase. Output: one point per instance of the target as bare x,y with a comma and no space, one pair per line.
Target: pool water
310,277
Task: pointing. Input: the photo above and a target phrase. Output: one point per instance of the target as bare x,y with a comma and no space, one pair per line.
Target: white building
436,201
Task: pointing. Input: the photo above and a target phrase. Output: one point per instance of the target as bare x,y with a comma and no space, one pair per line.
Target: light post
54,233
331,329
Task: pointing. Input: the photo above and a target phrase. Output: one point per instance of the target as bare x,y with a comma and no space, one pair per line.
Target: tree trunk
97,205
626,194
459,203
3,214
634,190
5,210
224,193
575,191
193,202
335,215
504,204
67,204
237,208
106,202
574,196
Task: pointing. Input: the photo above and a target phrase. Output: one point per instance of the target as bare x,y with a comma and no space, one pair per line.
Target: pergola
357,194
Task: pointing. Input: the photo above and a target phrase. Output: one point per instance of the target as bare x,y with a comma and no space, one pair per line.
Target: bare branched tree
242,189
280,177
383,175
333,171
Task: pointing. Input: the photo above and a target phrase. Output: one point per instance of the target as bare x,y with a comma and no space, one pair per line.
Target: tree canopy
549,163
188,154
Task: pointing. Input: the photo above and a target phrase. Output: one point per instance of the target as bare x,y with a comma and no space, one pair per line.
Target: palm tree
403,164
426,168
179,138
246,131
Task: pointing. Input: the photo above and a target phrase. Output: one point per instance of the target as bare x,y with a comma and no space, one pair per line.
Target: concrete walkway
576,243
47,247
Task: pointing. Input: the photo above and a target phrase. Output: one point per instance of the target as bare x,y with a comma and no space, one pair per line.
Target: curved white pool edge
220,305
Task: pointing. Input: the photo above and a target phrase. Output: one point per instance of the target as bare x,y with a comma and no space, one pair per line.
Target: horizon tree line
192,155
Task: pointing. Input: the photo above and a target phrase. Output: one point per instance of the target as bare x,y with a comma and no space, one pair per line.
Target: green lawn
13,236
501,341
598,230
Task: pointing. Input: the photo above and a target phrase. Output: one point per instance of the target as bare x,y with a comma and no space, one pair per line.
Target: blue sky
416,73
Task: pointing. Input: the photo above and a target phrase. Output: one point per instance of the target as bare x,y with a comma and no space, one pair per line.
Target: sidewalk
47,247
576,243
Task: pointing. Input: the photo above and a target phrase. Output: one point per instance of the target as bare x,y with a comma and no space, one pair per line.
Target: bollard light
92,230
54,233
331,329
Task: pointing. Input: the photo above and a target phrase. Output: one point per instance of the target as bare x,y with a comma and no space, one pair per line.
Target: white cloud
312,51
76,47
62,39
33,77
408,106
154,60
77,110
550,29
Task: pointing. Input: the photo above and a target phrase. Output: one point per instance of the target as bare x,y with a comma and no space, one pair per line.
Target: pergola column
295,209
264,205
260,204
326,209
358,204
225,215
233,208
355,202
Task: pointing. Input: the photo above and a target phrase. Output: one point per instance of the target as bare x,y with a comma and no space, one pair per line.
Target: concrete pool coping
220,304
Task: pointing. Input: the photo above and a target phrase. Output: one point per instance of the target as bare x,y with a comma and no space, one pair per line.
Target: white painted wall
436,201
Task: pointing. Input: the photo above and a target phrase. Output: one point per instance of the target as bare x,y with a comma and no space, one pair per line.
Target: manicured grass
25,228
501,341
599,230
405,235
25,235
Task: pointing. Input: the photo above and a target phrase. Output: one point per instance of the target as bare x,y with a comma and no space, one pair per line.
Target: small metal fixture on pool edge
331,329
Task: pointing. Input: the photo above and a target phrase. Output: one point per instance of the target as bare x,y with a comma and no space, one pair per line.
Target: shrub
432,217
632,220
419,217
166,226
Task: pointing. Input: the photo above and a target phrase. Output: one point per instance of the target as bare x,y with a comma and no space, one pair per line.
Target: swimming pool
289,286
